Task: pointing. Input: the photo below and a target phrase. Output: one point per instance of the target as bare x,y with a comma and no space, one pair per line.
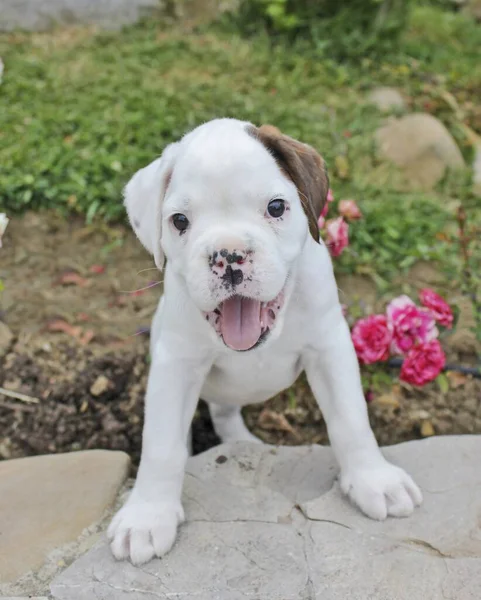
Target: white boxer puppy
250,302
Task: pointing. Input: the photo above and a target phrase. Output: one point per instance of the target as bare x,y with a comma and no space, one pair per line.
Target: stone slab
271,524
47,501
39,15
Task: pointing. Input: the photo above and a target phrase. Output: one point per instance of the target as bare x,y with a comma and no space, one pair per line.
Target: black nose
233,276
232,257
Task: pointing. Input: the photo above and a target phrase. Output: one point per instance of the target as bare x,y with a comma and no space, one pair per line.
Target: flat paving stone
269,523
38,15
47,501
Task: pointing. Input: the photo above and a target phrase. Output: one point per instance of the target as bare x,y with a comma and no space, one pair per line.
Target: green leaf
443,383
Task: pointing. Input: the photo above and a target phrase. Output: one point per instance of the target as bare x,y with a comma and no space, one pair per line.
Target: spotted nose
229,265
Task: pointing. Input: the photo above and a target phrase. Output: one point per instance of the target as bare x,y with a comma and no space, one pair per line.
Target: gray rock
386,99
48,501
271,524
421,146
473,8
38,15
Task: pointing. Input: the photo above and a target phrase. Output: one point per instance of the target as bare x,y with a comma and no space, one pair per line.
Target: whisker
141,331
147,287
149,269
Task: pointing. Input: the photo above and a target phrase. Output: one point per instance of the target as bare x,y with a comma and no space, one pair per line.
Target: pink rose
349,209
423,363
322,219
337,235
409,325
372,337
437,306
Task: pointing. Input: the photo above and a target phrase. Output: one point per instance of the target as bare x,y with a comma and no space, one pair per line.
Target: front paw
381,490
142,530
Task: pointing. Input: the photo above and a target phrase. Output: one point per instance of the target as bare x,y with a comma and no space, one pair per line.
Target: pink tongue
241,323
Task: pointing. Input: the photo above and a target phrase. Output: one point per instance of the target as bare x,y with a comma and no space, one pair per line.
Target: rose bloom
330,195
423,363
322,218
372,337
437,306
349,209
409,325
337,235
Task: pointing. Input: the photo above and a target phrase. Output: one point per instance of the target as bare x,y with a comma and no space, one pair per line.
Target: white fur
223,179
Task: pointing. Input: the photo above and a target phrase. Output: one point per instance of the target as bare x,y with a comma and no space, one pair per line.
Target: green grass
80,112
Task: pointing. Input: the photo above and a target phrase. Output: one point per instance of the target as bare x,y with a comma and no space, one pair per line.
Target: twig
18,396
25,408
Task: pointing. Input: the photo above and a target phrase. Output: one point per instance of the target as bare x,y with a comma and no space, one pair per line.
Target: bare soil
80,350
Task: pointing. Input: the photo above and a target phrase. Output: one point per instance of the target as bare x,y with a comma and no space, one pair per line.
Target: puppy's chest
251,377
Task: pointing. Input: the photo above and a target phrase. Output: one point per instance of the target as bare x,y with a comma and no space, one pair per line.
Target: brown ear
303,165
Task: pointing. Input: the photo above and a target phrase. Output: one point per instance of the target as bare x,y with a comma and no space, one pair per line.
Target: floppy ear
143,198
303,165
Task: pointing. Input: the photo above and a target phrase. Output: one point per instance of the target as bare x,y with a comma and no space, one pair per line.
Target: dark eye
181,222
276,208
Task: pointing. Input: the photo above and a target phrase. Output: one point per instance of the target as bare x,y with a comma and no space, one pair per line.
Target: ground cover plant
81,110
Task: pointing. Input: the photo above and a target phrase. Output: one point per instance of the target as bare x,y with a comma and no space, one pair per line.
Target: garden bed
80,351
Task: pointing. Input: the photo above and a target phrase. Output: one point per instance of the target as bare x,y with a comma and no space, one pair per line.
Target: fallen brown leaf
388,400
100,385
74,331
456,379
64,327
72,278
427,429
87,337
270,420
97,269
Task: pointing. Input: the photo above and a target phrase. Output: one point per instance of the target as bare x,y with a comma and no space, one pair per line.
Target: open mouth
244,323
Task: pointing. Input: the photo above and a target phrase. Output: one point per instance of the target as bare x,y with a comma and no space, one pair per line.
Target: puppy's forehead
224,152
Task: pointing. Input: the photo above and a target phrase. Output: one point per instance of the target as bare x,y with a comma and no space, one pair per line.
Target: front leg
146,526
376,486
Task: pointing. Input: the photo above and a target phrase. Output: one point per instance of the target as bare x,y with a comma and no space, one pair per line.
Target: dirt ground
79,350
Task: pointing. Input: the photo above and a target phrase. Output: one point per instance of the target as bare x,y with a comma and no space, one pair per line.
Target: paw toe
400,503
163,537
141,549
120,545
413,491
373,505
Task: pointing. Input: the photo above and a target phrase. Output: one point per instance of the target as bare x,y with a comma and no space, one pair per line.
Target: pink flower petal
372,337
349,210
423,363
409,325
437,306
337,235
